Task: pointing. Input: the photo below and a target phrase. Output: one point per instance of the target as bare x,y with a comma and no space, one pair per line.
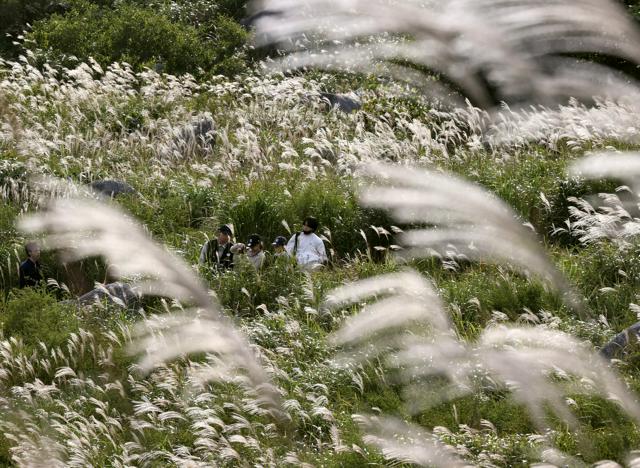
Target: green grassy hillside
70,391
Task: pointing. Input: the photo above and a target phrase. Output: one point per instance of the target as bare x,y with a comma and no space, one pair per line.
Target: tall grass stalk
491,50
84,228
466,220
539,366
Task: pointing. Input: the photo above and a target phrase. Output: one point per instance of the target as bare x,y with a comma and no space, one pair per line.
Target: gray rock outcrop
347,103
118,293
619,344
111,188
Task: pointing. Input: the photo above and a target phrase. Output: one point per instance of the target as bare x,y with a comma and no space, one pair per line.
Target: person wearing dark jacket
217,252
30,273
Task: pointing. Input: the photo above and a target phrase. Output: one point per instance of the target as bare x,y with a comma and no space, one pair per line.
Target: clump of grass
279,155
36,317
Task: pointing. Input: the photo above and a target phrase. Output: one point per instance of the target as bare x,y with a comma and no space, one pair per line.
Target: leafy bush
261,207
244,290
8,214
34,316
197,12
477,293
264,205
140,36
16,14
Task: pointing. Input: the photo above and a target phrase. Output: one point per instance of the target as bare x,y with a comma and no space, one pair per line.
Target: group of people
221,253
304,246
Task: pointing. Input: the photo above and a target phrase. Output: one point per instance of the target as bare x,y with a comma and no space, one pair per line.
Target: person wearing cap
217,252
279,245
306,247
30,272
253,250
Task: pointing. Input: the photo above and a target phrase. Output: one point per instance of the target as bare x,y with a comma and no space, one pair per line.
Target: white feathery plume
406,443
407,325
633,460
624,166
482,46
83,228
421,359
608,220
578,125
407,312
411,297
477,223
527,356
527,360
613,218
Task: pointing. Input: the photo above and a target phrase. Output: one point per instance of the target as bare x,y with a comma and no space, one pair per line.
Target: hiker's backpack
295,244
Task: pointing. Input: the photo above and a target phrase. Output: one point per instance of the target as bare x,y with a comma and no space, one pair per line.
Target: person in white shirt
307,248
253,249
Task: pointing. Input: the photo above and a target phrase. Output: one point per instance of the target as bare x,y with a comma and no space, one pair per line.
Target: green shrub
608,277
605,432
8,267
227,40
16,14
197,12
264,205
476,293
243,289
140,36
35,316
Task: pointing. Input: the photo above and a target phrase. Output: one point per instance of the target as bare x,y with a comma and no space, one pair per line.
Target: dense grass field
71,393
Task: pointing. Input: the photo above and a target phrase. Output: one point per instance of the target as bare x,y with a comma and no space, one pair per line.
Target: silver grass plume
526,357
406,291
406,314
406,443
623,166
82,228
615,217
539,366
407,311
492,50
476,223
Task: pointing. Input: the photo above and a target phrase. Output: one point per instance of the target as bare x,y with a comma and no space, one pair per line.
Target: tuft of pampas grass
82,228
538,365
463,217
401,442
614,216
624,166
489,49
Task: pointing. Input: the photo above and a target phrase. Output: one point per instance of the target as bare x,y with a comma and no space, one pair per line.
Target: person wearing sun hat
217,252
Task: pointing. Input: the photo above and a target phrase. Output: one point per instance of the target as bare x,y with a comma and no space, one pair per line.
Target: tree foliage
172,38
